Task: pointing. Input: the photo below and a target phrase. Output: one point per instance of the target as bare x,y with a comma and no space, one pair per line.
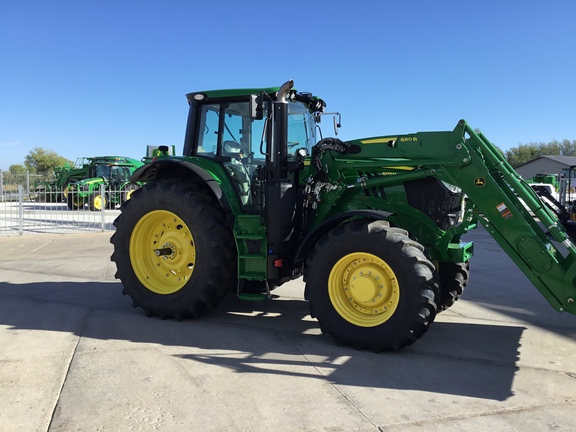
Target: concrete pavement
75,356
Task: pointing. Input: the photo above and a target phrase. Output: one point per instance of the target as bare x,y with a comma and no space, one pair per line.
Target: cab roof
215,94
314,103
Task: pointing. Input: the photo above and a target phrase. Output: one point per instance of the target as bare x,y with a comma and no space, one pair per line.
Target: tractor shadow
271,337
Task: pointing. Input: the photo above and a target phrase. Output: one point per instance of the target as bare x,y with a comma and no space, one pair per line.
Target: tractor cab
239,130
114,175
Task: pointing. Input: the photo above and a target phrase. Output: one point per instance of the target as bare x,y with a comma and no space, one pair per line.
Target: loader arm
497,192
530,234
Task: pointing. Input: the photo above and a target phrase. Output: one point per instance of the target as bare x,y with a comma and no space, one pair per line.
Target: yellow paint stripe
385,140
402,168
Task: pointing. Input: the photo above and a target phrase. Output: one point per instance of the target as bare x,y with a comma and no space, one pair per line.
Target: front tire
174,250
371,286
453,279
70,201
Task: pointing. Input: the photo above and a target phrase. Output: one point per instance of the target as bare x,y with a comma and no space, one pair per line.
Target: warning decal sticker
506,214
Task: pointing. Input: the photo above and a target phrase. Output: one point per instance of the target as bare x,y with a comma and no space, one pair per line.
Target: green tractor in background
85,169
375,225
107,186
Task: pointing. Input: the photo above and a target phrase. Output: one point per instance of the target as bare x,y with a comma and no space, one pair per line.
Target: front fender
319,231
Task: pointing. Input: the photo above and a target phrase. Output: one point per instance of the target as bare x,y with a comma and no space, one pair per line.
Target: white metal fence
9,183
25,208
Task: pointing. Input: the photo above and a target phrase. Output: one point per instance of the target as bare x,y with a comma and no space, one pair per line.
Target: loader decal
506,214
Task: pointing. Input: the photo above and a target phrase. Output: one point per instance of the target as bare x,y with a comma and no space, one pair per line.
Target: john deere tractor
106,184
374,225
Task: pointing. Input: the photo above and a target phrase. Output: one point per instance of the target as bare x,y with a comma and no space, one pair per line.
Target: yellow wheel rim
129,194
363,289
162,252
99,202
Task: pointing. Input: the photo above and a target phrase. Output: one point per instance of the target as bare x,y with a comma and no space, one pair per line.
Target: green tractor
374,225
108,184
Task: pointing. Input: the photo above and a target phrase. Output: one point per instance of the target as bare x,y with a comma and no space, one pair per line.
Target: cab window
226,130
301,129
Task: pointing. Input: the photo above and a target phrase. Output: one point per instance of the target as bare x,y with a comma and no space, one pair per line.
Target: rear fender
188,172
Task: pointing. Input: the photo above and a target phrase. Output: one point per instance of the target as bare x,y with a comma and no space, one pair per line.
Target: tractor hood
80,183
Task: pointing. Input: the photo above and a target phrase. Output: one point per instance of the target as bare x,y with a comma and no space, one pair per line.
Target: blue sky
86,78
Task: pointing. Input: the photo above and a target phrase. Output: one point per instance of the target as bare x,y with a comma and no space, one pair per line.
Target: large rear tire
174,250
371,286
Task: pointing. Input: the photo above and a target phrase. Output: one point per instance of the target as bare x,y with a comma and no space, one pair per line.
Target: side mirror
337,124
337,117
256,107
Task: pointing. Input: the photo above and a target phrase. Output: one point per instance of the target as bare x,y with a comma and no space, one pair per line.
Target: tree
523,153
40,160
568,148
17,169
527,152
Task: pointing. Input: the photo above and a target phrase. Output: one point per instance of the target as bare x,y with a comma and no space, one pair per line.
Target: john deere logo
479,181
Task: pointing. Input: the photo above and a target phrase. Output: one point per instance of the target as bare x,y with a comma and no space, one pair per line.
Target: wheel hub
363,289
166,251
162,252
129,194
99,202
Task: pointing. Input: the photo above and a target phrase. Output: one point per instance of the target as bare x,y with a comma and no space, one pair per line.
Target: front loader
373,225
